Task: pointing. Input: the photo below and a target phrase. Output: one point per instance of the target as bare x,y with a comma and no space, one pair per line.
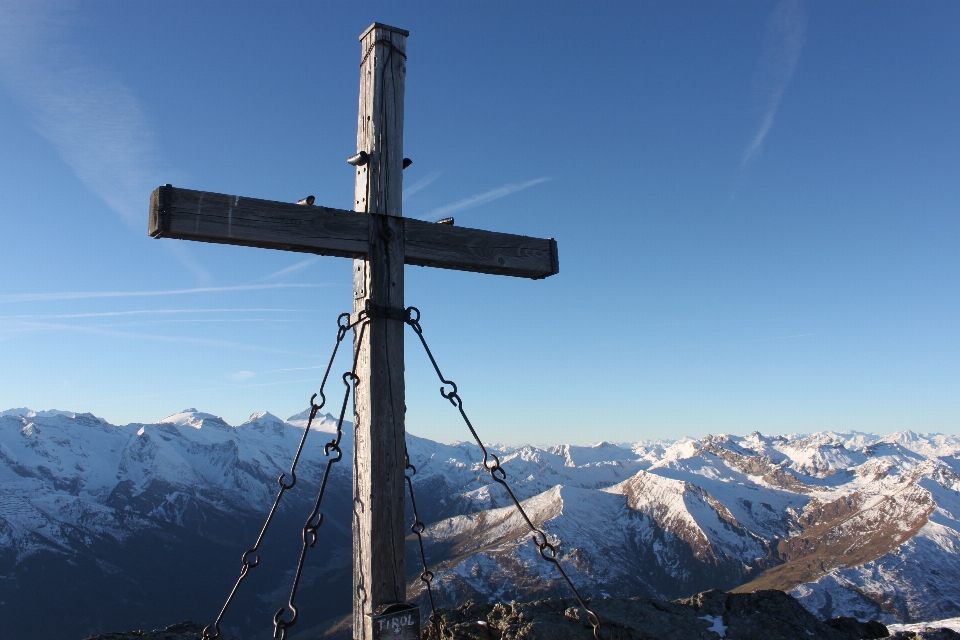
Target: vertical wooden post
379,569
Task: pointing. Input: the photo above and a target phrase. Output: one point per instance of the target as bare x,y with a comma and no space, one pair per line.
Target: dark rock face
764,615
181,631
928,634
853,627
711,615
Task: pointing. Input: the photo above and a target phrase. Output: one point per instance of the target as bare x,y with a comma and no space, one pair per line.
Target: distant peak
301,419
24,412
265,421
193,418
262,416
303,415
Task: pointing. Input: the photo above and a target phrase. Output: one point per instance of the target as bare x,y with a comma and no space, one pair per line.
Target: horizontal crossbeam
214,217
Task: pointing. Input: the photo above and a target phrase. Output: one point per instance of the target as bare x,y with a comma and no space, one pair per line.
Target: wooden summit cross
380,241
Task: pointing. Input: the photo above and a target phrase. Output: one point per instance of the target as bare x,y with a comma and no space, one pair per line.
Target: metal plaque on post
396,622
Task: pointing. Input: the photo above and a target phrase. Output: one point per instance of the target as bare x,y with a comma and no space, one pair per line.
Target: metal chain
315,519
418,528
491,463
381,41
213,631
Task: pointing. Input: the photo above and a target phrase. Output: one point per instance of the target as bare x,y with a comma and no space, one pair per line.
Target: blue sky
756,206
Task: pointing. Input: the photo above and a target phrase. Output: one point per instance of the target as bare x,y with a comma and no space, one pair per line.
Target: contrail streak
83,295
482,198
784,42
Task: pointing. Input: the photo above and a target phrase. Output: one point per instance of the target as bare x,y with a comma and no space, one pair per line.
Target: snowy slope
111,514
850,523
70,470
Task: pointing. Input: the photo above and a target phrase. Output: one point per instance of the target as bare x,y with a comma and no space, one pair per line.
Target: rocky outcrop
857,629
764,615
181,631
927,634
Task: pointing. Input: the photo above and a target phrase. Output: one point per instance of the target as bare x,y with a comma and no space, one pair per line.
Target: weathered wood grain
379,405
226,219
379,183
449,247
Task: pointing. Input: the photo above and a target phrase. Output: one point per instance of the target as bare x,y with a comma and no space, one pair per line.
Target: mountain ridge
845,521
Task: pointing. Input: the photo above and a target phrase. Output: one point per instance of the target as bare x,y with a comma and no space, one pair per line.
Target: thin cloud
482,198
167,322
248,386
799,335
83,295
735,342
786,29
303,264
91,118
420,184
319,366
185,257
105,314
240,375
142,336
277,384
7,334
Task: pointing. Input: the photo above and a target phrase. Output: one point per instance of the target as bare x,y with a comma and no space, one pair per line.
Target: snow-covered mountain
850,523
107,527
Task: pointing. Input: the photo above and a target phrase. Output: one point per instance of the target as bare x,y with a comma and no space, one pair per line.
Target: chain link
213,631
315,519
381,41
491,463
418,528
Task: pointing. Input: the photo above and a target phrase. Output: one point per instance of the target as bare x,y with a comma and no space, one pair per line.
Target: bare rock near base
928,634
188,630
853,627
763,615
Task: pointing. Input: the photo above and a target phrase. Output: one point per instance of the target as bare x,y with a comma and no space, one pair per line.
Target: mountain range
106,527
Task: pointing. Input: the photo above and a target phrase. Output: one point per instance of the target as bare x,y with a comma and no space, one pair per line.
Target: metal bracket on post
398,621
359,279
390,313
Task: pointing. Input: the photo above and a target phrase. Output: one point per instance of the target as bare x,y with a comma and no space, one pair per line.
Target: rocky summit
181,631
764,615
929,633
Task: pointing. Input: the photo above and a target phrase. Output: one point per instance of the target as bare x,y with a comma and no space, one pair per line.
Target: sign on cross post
381,242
